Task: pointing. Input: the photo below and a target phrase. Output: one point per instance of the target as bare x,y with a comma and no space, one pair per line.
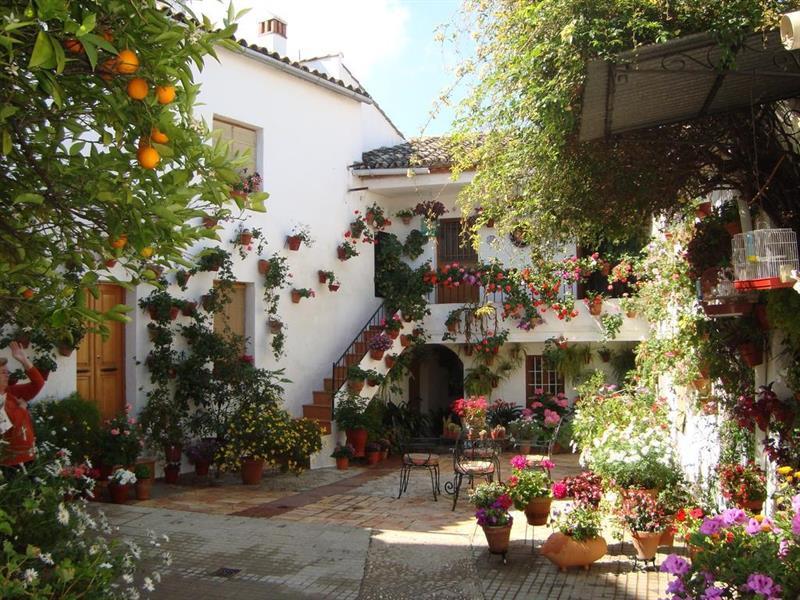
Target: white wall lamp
790,30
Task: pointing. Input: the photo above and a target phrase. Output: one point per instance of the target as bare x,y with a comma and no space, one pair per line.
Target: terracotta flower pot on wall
538,510
252,470
263,266
751,354
293,241
564,552
296,297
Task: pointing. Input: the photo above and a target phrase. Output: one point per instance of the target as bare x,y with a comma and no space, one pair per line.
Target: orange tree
102,160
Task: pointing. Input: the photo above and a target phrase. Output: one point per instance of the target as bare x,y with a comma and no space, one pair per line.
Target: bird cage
719,296
764,259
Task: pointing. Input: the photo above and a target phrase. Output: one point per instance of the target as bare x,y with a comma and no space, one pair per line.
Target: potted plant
119,485
275,326
376,217
356,379
393,326
349,414
201,454
524,430
300,234
343,454
578,541
358,226
594,300
160,305
453,320
45,364
373,453
405,214
646,520
378,345
325,276
743,485
390,360
118,443
586,488
472,411
492,502
212,259
300,293
182,277
611,325
346,250
246,184
604,352
628,306
263,266
144,481
529,488
334,285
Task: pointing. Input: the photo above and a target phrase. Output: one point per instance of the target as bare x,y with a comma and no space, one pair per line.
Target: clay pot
210,222
751,354
172,473
172,453
376,354
201,467
667,537
373,457
65,349
596,307
340,253
355,385
245,238
333,287
405,341
357,438
110,263
468,349
564,552
524,447
393,333
406,220
452,327
631,314
733,227
252,470
703,210
174,311
646,543
296,297
754,506
293,241
263,266
389,360
323,276
497,538
275,326
119,493
538,510
342,463
143,488
189,309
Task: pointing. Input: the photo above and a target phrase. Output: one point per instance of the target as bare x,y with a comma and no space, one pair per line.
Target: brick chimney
272,34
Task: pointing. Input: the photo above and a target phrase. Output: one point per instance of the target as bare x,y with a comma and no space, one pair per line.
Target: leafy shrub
71,423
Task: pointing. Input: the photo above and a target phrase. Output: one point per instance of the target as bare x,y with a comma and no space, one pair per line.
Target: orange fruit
148,157
147,251
107,69
138,88
119,242
73,45
165,93
27,293
127,62
158,137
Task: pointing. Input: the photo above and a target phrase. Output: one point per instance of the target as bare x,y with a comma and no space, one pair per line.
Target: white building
324,149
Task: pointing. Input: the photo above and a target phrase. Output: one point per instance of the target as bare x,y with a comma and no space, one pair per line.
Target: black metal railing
339,371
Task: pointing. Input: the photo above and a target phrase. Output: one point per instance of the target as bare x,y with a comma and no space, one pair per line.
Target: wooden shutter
450,248
242,139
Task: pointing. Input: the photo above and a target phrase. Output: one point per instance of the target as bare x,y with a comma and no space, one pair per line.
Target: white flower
46,558
127,578
30,575
148,586
105,565
62,515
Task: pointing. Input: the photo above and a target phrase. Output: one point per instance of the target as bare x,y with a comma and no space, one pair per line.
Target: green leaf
6,143
7,111
89,22
91,52
42,55
61,59
29,198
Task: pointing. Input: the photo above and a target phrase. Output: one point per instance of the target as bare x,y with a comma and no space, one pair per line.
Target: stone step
316,411
360,348
353,359
323,398
327,383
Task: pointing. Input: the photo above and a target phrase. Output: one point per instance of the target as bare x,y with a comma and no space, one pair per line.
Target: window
539,376
242,139
450,247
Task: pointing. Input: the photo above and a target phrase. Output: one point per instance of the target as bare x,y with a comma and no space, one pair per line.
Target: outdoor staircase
321,407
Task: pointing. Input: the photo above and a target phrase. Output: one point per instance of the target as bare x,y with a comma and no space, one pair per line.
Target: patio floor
344,534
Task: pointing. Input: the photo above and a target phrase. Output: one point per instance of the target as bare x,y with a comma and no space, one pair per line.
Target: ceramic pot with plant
172,473
393,326
373,453
349,414
646,520
144,481
201,454
405,215
299,235
263,266
300,293
120,484
343,454
743,485
356,379
492,501
252,469
529,488
378,345
595,303
578,541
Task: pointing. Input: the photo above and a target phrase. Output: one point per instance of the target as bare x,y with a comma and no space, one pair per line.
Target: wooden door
450,247
231,320
101,361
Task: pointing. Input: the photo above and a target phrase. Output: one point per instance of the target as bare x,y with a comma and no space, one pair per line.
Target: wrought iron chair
543,445
419,454
473,458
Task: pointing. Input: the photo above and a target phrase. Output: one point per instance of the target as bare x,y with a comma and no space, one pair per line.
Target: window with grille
451,247
539,376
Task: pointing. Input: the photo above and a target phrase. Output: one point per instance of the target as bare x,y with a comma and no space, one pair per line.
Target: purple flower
796,503
762,584
711,526
734,516
675,565
712,593
676,587
753,527
783,549
796,524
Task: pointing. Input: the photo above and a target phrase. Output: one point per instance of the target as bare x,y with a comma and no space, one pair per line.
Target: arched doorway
437,379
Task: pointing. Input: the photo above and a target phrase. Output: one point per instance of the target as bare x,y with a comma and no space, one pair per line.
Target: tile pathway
344,534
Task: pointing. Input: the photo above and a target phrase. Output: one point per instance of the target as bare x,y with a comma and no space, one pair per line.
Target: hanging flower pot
406,220
333,287
207,302
537,511
210,222
293,241
390,360
110,263
605,355
245,237
452,327
65,349
296,297
498,538
376,354
468,349
341,253
355,385
263,266
646,543
189,308
252,470
751,354
631,314
323,276
174,311
562,343
596,306
275,326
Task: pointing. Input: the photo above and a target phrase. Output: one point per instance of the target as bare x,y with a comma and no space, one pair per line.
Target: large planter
373,457
172,453
754,506
201,467
342,463
538,510
252,470
172,473
143,488
564,552
646,543
358,439
497,538
119,493
667,537
751,354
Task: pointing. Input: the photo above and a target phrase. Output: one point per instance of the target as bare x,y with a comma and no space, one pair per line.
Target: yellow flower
797,474
784,470
758,518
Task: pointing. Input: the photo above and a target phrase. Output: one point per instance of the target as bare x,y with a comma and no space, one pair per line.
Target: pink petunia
115,431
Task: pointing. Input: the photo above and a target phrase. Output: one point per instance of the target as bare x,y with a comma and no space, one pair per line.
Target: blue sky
387,44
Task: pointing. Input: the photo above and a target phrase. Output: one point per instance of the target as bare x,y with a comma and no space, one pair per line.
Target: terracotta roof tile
431,152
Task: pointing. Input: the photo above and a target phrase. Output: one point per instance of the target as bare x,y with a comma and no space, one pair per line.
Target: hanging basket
764,259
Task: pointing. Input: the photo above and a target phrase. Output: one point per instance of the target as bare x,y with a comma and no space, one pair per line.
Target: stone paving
344,534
